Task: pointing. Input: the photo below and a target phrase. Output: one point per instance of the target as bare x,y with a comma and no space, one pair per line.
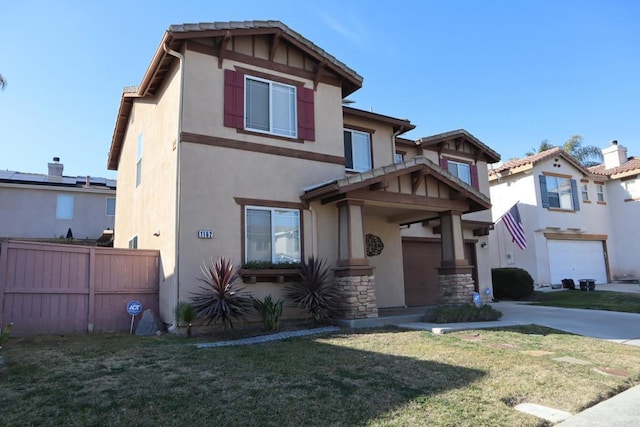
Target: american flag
513,222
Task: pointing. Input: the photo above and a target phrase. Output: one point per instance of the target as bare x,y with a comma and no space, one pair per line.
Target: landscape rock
149,324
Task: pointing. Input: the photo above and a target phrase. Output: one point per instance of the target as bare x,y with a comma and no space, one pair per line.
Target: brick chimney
55,168
614,155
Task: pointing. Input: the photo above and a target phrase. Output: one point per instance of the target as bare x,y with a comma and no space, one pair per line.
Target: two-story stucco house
39,206
237,143
576,220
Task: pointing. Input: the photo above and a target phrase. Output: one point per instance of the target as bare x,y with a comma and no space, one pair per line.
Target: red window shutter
306,114
473,169
444,164
233,99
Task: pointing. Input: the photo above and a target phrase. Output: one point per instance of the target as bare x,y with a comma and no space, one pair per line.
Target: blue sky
510,72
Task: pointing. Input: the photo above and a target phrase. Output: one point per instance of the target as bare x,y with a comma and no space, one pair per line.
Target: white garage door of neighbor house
571,259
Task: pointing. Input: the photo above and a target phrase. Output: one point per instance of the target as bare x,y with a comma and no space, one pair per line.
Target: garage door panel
571,259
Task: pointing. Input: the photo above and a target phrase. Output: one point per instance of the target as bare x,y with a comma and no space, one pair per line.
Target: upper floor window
270,107
357,150
139,161
467,172
584,189
559,192
111,206
600,192
272,234
631,188
64,206
268,104
399,158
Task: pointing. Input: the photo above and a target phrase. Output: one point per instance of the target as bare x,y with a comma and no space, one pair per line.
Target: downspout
176,267
393,144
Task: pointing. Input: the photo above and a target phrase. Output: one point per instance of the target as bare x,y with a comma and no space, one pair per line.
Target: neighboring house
576,220
236,143
38,206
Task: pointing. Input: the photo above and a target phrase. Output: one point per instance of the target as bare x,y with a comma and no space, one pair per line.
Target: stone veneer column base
455,289
360,296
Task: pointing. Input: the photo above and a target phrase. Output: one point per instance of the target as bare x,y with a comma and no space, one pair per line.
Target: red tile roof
629,168
536,158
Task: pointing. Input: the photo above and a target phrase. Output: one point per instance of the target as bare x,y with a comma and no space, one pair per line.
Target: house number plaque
205,234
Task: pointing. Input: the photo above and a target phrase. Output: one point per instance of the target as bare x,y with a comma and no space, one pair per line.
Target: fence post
4,249
92,290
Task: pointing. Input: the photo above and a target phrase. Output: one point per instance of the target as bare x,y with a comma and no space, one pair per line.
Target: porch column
455,274
354,275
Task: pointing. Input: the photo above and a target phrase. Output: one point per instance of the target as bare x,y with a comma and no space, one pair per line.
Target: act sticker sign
134,308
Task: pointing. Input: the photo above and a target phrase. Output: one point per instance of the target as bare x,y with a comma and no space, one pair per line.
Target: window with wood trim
600,192
584,189
267,106
357,150
272,234
467,172
559,192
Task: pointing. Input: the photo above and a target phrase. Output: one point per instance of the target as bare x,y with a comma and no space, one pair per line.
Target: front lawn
598,300
366,377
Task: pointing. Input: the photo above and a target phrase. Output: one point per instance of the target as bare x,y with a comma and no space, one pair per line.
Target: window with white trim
584,188
272,234
139,161
64,206
357,150
270,107
110,209
461,170
399,158
133,242
632,188
600,192
559,192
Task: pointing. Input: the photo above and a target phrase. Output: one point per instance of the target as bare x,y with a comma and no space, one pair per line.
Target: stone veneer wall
455,289
360,297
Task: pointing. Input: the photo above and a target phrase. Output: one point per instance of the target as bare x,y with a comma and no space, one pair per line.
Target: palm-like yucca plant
315,292
219,300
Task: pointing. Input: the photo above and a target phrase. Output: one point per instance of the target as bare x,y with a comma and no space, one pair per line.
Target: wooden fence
54,288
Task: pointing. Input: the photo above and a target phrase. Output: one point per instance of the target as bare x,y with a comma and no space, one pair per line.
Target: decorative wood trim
563,236
262,63
223,47
598,182
584,181
273,275
274,45
410,199
633,199
561,210
270,135
259,148
353,271
559,175
450,152
601,203
243,201
359,128
422,239
586,201
251,72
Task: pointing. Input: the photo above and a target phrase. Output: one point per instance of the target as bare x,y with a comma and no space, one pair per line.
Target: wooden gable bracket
274,45
223,47
416,180
381,185
458,141
320,70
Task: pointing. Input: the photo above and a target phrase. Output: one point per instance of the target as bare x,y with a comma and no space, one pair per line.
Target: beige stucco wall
388,271
30,211
150,207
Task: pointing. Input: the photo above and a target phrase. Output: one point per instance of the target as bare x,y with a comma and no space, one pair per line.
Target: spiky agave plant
315,292
219,300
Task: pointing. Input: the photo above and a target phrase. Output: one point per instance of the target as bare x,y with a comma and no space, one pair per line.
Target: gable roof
631,167
518,165
325,190
399,125
175,37
440,138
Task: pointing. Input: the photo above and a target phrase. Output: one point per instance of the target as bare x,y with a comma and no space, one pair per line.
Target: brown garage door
421,258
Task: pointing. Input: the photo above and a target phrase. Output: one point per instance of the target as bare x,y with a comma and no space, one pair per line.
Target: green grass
368,377
598,300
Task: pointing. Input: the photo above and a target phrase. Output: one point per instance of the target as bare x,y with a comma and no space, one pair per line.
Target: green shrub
462,313
270,312
219,300
185,314
315,292
511,283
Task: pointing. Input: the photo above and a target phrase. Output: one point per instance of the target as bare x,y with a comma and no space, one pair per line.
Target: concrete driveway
608,325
